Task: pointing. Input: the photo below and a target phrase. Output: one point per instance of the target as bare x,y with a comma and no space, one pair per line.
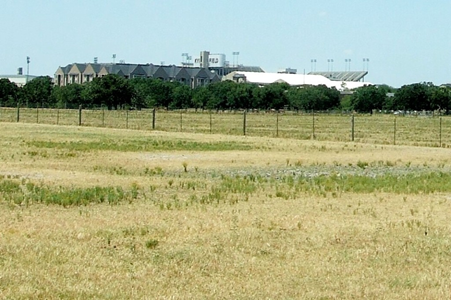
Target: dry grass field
130,214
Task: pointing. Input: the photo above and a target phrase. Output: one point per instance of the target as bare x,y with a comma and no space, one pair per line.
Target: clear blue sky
405,41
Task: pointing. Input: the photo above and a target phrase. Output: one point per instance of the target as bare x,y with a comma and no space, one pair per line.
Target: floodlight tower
347,64
28,69
235,58
313,64
330,65
366,62
185,55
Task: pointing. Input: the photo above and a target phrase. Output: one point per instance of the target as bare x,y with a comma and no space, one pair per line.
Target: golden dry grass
253,245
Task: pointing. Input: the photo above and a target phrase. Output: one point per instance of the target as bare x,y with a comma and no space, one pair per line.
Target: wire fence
416,130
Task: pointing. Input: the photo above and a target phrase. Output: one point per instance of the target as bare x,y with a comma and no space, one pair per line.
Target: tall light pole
366,62
313,65
185,55
330,65
235,58
28,69
347,64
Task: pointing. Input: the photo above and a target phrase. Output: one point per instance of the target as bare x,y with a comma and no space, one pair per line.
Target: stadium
205,69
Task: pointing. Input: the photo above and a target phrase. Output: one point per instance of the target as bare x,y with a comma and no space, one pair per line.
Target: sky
402,41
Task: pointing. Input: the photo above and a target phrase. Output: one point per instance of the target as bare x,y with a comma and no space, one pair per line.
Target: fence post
313,124
126,119
352,128
79,115
37,113
440,143
153,119
244,122
181,120
277,124
210,123
18,112
57,116
103,116
394,132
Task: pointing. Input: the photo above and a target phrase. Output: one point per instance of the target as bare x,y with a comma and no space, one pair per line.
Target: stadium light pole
348,64
330,65
235,58
313,64
365,64
28,69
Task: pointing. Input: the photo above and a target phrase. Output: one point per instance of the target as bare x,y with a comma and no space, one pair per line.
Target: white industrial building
19,79
293,80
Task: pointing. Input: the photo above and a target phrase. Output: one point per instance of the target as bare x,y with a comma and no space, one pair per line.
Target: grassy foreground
104,213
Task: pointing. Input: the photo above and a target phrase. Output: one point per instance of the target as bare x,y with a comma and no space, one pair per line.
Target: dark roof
342,76
148,70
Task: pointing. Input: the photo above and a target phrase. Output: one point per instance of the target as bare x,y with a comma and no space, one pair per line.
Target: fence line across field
432,131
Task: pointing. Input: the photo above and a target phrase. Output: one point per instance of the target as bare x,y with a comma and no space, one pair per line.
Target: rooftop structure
343,76
292,79
19,79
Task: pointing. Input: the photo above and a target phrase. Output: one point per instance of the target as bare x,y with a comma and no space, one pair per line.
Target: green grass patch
140,145
410,184
25,193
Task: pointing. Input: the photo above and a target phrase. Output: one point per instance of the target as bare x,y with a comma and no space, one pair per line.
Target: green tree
346,103
314,98
201,97
274,96
111,91
244,93
159,93
181,96
413,97
221,97
367,98
440,99
142,96
9,93
69,96
38,92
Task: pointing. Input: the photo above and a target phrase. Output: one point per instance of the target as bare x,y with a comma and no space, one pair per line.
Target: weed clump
25,193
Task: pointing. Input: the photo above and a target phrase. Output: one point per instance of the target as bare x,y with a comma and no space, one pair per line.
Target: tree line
115,92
